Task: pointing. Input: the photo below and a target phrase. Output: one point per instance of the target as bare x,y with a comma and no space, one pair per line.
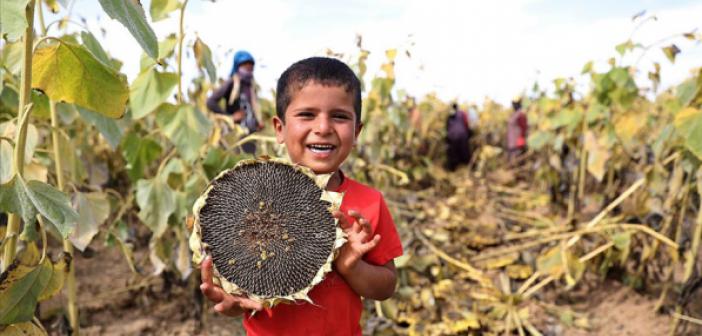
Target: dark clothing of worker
458,134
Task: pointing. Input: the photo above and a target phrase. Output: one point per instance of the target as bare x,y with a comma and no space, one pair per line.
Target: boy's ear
279,127
359,127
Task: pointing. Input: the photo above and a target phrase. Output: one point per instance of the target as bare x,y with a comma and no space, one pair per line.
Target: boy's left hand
359,241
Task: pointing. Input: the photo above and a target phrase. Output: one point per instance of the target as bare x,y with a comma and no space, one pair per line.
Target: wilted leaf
554,263
8,129
108,127
20,289
622,48
93,209
70,73
22,329
519,271
460,321
35,171
156,202
13,19
58,276
203,55
628,126
186,127
5,161
149,90
539,139
131,15
688,123
139,153
161,8
72,164
391,54
597,156
53,5
159,254
670,52
182,262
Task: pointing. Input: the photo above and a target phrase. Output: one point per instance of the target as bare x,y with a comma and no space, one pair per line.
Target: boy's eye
305,114
342,116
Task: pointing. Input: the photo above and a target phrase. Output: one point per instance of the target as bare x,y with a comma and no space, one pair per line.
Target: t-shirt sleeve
390,246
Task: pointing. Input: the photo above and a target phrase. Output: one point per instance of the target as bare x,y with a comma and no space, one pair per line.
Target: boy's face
320,127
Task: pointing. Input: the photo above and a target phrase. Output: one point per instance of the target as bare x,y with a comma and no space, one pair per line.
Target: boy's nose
323,125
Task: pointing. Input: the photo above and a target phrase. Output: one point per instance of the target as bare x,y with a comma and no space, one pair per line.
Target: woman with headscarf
239,95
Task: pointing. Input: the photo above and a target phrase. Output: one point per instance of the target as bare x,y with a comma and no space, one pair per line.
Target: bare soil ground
115,301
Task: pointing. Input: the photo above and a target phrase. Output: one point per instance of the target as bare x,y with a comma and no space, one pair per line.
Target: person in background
517,127
239,95
458,135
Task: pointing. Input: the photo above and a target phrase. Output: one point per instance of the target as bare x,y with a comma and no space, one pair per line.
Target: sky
463,50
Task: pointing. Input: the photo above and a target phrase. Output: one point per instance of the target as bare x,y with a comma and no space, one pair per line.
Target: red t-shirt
337,308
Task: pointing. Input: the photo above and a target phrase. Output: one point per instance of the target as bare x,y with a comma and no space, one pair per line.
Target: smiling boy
318,119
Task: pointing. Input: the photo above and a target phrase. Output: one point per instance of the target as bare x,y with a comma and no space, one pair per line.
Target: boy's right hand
225,303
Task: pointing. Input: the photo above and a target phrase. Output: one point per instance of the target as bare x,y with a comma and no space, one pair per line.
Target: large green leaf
218,160
149,90
131,15
92,44
69,72
93,209
22,286
139,153
156,202
161,8
165,50
687,91
14,199
109,128
186,127
30,198
688,123
203,55
13,20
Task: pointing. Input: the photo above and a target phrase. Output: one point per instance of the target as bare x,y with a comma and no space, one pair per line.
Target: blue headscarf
241,56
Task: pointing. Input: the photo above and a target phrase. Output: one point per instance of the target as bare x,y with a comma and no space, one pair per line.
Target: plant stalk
583,165
67,246
691,254
181,37
13,223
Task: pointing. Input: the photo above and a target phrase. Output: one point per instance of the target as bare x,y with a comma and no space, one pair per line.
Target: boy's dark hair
322,70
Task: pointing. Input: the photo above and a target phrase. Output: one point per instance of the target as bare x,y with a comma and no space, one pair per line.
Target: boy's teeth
320,148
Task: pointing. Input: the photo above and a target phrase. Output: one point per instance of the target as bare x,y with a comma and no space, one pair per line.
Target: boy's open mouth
321,148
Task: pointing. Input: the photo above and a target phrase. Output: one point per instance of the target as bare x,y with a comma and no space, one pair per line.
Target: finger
206,270
365,226
212,292
366,247
343,223
247,303
226,307
355,214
